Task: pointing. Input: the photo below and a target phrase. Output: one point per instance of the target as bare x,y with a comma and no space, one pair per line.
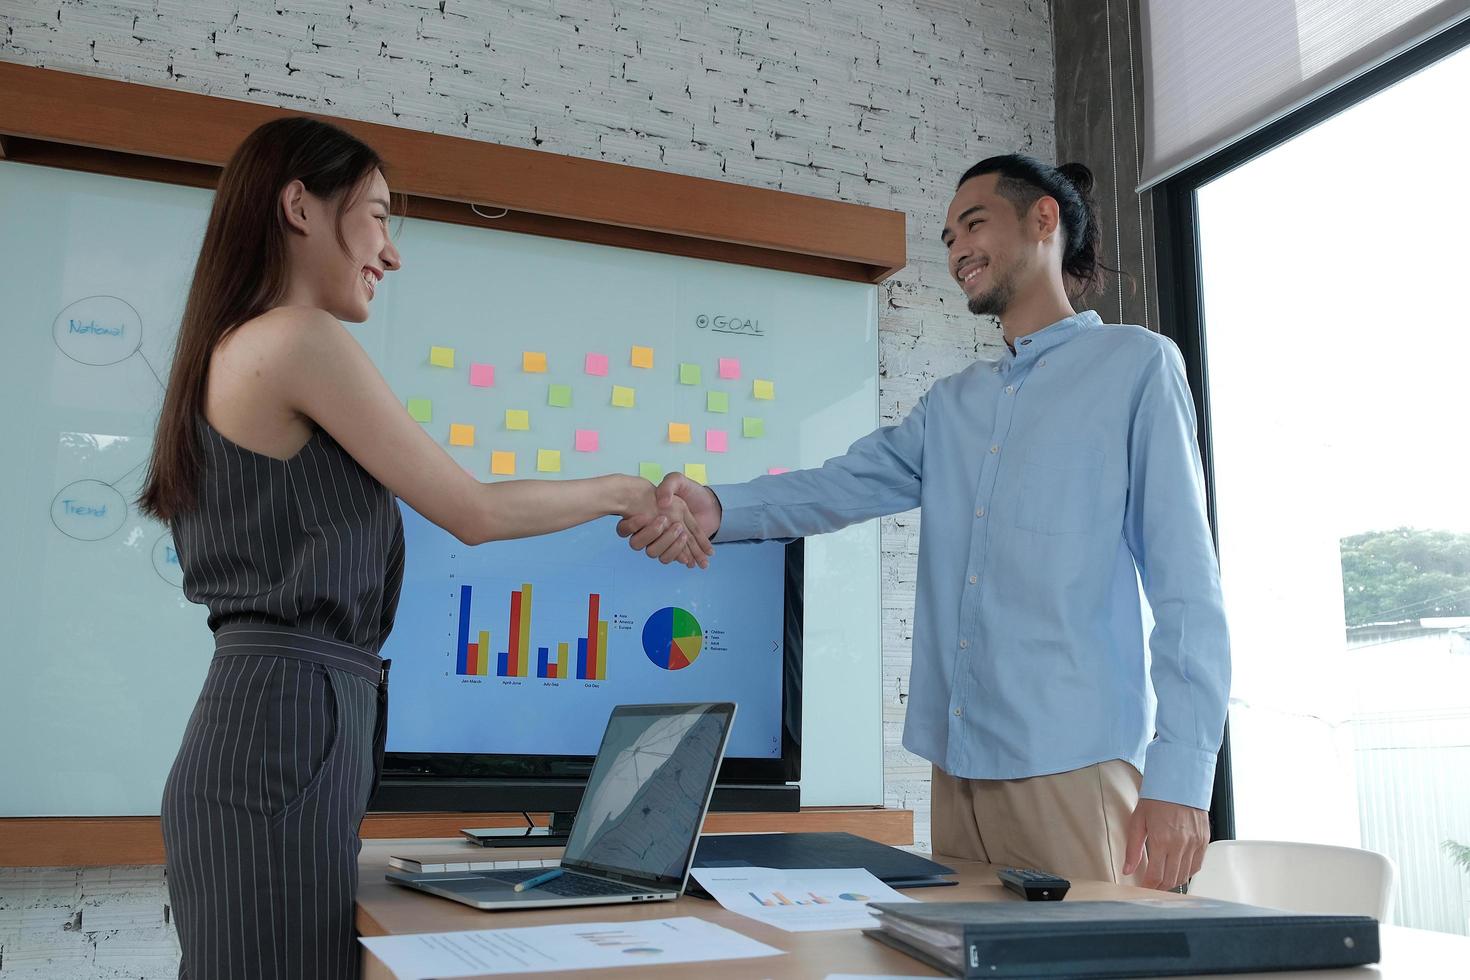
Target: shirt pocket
1059,487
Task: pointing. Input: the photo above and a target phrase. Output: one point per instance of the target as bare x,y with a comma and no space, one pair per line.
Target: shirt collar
1035,344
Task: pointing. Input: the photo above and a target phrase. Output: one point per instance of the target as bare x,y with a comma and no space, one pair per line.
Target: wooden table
384,909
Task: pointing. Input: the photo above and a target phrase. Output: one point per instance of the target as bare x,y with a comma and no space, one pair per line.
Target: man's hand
1175,835
669,531
679,503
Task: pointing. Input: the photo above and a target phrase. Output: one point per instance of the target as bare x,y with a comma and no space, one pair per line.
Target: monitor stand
555,834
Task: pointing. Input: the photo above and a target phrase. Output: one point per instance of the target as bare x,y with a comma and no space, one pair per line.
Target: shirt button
1026,341
995,370
1010,389
957,712
995,449
1041,363
980,512
973,580
964,644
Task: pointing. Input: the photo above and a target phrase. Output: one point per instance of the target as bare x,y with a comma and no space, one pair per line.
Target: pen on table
540,879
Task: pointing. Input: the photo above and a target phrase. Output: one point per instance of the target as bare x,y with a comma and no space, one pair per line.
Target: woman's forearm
525,508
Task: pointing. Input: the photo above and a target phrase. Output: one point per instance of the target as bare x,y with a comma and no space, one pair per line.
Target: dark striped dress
299,562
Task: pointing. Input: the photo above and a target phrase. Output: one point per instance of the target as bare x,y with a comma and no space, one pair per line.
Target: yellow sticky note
533,360
679,432
764,390
622,397
643,357
517,418
503,463
696,472
461,435
548,460
441,356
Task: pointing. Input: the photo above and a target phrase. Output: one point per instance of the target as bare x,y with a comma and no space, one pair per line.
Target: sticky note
597,364
548,460
696,472
533,361
729,368
559,395
679,432
777,470
652,472
764,390
754,428
622,397
689,374
482,375
717,401
519,418
421,409
642,357
441,356
461,435
586,440
503,463
716,440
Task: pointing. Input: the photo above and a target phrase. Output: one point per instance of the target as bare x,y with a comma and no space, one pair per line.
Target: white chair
1298,877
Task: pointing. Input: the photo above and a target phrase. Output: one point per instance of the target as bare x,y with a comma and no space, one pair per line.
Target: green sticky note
559,395
441,356
689,374
717,401
519,418
421,409
754,428
652,472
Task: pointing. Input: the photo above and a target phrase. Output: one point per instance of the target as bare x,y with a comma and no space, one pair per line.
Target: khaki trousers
1073,824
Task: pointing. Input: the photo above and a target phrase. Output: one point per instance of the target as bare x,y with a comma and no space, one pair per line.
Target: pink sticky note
729,367
597,364
716,440
482,375
777,470
586,440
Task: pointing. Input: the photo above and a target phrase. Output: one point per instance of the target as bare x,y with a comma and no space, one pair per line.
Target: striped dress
299,562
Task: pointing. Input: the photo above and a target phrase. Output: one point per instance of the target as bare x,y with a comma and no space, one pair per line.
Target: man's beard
997,299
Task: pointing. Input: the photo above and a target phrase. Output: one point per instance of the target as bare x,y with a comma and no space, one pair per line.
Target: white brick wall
879,102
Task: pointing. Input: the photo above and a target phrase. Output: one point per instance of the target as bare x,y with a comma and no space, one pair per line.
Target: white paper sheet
574,946
799,901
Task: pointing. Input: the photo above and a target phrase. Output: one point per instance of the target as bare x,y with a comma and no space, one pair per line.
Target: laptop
634,834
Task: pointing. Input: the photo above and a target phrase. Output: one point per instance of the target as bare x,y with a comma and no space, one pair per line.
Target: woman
279,454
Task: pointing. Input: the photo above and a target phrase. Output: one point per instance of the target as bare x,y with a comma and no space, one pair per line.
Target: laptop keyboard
568,885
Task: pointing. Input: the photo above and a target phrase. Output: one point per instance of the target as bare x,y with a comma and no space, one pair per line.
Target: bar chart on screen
518,655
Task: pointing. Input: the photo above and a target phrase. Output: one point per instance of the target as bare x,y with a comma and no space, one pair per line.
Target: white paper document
799,901
577,946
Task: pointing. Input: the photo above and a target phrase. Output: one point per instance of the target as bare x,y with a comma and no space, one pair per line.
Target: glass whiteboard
102,657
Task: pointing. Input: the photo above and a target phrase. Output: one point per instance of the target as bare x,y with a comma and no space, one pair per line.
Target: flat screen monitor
508,657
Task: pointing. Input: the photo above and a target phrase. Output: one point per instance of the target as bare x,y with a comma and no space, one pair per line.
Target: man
1045,478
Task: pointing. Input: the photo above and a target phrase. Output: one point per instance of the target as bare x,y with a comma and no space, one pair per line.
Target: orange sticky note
534,361
679,432
461,435
642,357
503,463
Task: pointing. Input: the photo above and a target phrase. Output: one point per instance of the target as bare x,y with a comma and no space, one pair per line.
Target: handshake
673,521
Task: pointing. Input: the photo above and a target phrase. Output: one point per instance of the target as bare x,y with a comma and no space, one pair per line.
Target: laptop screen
648,791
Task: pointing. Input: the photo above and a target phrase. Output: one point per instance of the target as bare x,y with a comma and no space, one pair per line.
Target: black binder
893,867
1145,938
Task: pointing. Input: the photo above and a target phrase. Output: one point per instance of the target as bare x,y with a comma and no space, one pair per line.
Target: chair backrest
1298,877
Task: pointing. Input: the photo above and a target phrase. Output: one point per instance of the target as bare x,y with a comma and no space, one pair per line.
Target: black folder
1144,938
893,867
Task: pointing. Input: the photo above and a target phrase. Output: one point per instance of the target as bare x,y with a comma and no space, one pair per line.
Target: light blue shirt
1045,478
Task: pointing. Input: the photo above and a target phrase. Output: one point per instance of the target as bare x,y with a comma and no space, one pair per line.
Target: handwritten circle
89,510
166,561
701,321
98,330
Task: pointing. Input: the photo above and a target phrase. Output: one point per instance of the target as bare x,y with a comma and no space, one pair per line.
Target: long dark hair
1024,180
241,273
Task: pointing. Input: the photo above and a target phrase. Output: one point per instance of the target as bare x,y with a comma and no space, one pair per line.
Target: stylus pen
540,879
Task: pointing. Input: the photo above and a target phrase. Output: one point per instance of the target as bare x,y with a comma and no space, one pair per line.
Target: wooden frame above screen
78,122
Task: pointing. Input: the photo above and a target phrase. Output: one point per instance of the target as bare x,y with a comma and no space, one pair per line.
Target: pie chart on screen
672,638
